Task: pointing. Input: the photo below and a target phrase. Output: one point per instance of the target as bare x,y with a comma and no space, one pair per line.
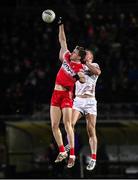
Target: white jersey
89,86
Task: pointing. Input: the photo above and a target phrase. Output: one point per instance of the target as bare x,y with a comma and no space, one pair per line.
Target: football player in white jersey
85,104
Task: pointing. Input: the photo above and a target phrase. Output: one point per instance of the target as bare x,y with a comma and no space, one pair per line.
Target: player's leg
77,110
91,129
55,114
67,118
75,117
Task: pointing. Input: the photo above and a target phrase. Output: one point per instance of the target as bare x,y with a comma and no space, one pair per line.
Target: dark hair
82,52
91,51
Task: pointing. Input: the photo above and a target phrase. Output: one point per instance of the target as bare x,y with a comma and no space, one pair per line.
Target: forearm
62,41
93,69
62,37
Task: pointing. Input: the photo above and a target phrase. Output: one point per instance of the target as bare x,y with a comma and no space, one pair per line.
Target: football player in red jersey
62,97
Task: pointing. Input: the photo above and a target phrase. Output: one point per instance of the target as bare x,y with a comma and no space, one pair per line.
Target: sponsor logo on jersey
67,68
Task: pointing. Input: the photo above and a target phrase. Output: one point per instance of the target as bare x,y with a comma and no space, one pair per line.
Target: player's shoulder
66,55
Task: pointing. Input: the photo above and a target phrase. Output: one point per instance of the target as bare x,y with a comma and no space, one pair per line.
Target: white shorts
85,105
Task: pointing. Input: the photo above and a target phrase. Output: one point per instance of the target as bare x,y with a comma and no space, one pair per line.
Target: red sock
61,148
72,153
93,156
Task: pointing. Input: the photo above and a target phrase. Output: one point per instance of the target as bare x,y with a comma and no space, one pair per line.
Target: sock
72,153
61,148
93,156
67,148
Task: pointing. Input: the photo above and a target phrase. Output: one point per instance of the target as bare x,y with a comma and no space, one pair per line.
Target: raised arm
62,40
93,68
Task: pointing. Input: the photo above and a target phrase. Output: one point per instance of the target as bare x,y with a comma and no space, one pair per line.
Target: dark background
29,49
28,66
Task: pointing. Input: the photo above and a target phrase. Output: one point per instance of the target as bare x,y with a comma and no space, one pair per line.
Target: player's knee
92,131
55,126
67,126
73,126
91,127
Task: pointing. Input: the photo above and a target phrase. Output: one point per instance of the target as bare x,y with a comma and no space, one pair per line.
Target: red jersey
67,71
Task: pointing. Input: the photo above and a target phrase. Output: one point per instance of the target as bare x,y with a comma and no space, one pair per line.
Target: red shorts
62,99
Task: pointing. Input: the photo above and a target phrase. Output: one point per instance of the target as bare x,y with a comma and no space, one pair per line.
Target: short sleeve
66,56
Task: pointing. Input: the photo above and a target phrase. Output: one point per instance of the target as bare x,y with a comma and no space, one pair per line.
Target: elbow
60,58
98,72
62,40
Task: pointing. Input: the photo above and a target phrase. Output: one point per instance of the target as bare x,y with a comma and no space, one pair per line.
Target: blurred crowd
29,52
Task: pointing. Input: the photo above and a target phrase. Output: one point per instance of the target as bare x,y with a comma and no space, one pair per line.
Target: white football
48,16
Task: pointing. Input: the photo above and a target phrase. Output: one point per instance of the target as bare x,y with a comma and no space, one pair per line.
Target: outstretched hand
60,21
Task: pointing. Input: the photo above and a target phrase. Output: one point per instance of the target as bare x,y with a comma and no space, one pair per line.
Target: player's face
75,55
89,56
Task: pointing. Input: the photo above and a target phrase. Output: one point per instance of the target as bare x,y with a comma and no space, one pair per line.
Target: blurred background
28,65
